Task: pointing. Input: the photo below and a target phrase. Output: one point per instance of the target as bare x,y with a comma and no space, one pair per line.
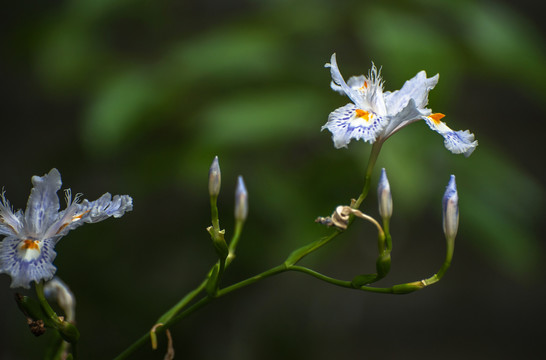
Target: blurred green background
137,97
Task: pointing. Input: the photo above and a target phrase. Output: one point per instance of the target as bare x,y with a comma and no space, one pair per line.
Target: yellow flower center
363,114
29,250
30,245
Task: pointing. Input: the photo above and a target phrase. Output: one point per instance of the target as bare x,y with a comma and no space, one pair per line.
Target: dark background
137,97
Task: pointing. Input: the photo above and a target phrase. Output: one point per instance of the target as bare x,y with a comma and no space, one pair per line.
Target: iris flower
28,249
374,115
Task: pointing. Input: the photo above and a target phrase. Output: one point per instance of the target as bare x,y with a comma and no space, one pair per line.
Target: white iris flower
375,115
27,251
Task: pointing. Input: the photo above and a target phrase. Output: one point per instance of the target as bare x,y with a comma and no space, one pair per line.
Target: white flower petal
406,116
458,142
345,124
354,95
337,88
417,88
356,82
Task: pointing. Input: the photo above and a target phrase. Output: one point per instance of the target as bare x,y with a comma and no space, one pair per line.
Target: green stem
388,239
214,214
342,283
197,305
376,148
182,303
45,305
273,271
234,241
216,234
384,246
222,268
447,263
298,254
303,269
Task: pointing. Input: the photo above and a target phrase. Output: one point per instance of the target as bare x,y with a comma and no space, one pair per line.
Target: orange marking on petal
363,114
4,222
30,245
436,117
61,228
78,217
74,218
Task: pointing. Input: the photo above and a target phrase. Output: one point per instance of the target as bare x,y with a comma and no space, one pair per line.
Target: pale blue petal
460,142
87,211
105,207
23,271
43,202
10,223
450,193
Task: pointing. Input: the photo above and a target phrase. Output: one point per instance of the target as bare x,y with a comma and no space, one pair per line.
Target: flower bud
215,178
450,206
384,196
59,292
241,200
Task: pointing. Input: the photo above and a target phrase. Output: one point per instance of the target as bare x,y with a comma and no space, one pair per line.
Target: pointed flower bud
384,196
59,292
215,178
450,205
241,200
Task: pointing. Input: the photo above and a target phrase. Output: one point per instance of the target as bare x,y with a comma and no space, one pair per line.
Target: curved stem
45,305
343,283
447,263
322,277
